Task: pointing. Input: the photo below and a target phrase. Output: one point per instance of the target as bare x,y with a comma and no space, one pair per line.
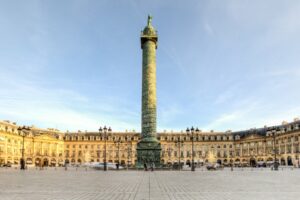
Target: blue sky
220,64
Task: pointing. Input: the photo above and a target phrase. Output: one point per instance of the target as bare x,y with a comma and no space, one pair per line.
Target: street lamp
274,134
104,130
179,142
23,134
192,131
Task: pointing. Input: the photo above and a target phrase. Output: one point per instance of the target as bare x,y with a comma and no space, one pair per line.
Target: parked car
269,163
7,165
30,166
98,165
261,164
213,166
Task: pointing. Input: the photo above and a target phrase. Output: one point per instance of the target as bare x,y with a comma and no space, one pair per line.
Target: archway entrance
188,162
67,161
252,162
37,162
289,161
45,162
123,162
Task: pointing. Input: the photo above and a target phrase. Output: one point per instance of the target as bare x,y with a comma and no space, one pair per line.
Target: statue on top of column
149,20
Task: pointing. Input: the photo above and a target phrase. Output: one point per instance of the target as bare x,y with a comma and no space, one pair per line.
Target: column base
148,152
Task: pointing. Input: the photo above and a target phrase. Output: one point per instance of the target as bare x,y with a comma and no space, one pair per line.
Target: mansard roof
285,127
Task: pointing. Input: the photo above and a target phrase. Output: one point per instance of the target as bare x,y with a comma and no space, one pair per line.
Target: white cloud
253,114
57,107
242,110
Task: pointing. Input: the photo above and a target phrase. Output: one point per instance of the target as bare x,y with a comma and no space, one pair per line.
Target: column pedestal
148,152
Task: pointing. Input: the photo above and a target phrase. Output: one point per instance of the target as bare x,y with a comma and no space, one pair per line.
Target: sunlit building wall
50,147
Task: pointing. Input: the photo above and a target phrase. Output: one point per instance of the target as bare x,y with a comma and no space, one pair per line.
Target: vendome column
148,149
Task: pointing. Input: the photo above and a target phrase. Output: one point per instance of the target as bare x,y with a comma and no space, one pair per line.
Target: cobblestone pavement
159,185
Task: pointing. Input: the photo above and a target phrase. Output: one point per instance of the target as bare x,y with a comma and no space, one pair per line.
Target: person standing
152,166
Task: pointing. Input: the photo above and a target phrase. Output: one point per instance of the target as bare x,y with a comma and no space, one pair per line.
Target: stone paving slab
139,185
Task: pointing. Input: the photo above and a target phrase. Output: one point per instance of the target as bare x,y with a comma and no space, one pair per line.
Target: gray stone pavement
139,185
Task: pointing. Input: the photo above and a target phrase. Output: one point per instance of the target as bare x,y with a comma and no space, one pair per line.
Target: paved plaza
58,184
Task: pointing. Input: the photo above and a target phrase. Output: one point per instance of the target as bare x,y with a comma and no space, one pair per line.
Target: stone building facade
41,147
53,148
245,148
